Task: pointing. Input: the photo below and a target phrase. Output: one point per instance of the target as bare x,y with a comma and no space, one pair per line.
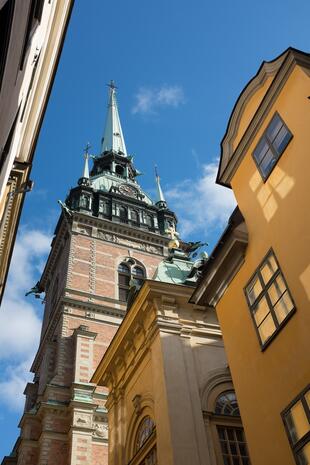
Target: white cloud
148,100
20,324
20,329
201,204
15,378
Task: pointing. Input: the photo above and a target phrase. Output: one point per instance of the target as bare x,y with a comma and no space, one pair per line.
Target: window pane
254,289
276,289
123,268
230,433
267,328
283,307
233,448
137,271
281,140
297,422
224,447
304,455
307,397
240,435
261,150
274,127
261,310
243,450
269,268
226,404
268,162
123,294
144,432
123,279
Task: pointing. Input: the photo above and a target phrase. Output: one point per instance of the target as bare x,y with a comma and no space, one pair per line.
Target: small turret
161,202
84,180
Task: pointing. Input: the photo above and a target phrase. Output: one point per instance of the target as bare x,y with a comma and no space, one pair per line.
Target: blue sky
179,67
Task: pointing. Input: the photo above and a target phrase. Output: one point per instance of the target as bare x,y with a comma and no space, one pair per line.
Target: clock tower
109,232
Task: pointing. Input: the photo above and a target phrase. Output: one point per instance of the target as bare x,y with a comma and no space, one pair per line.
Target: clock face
126,189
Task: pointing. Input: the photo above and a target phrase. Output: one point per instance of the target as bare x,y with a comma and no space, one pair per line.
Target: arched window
144,450
126,271
145,430
226,419
226,404
123,281
123,214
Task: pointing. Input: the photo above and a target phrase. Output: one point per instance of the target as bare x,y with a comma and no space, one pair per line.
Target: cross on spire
112,85
88,146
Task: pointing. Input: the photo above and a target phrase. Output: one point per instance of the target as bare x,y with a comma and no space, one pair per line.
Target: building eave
281,68
224,262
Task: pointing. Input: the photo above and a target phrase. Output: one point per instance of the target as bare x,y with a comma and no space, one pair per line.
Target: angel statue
174,243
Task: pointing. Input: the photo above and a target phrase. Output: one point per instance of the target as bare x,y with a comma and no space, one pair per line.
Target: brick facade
65,420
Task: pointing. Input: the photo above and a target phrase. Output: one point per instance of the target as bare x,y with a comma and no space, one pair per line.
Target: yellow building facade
171,400
258,277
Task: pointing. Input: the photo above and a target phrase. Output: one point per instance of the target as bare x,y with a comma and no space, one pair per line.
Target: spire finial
161,201
84,180
86,157
113,139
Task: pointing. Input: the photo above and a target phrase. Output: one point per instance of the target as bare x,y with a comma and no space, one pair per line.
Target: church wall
99,455
163,373
94,262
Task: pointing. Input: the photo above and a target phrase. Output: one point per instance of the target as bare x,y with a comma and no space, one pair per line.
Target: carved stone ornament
129,243
137,404
101,430
83,420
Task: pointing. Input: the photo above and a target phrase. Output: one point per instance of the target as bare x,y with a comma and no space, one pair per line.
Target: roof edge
267,68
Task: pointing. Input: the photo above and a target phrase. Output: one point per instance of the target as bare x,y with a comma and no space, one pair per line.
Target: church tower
110,232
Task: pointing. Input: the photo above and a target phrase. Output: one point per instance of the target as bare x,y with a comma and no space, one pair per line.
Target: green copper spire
113,139
161,201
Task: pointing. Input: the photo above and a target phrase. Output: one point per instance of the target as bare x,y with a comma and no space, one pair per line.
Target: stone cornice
92,308
281,68
120,233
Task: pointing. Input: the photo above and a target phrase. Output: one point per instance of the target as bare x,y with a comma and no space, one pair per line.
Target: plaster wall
169,379
276,214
